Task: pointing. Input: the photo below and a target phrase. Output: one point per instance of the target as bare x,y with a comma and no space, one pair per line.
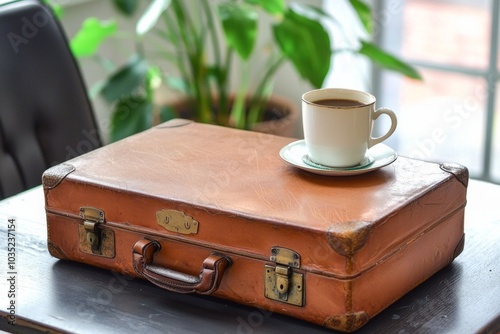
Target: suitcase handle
211,273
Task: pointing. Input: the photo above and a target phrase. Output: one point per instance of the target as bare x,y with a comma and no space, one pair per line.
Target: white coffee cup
340,135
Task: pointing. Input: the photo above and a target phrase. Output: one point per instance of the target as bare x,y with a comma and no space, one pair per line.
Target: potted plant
202,40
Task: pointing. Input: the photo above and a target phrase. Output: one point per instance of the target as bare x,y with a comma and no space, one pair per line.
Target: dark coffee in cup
339,103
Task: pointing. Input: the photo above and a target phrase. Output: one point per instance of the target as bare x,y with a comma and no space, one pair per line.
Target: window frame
491,76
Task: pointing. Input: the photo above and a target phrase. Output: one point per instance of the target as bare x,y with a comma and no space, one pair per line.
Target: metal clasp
282,283
93,239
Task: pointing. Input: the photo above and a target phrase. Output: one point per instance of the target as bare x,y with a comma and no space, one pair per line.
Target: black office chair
45,115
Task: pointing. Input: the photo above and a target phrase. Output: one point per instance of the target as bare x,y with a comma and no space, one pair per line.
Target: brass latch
94,239
282,283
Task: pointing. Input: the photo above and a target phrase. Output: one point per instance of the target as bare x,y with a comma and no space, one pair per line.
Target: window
453,115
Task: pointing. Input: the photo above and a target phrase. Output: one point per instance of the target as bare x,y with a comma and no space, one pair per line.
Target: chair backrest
45,115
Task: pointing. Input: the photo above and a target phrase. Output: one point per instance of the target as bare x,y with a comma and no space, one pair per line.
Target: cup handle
394,122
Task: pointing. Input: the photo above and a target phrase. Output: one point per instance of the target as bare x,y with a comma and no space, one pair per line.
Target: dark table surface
60,296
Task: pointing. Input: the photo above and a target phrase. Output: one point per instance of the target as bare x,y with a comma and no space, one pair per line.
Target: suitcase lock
282,283
93,239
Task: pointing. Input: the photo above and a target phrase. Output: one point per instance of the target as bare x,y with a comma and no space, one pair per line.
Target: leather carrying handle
207,282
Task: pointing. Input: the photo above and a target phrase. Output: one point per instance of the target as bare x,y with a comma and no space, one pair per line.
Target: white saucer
295,152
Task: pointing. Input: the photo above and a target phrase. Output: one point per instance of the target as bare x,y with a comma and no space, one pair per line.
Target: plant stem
105,63
258,101
194,52
220,72
238,116
213,32
175,40
223,88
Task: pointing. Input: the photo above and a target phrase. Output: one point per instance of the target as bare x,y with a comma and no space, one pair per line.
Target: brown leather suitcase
213,210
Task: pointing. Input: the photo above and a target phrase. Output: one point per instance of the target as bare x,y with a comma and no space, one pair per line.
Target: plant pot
280,116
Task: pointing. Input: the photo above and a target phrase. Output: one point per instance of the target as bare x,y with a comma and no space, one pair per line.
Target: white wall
349,70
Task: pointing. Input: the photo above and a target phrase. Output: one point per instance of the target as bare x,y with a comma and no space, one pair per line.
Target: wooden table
61,296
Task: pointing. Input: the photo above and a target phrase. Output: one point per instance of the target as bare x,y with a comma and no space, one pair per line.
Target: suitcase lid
246,200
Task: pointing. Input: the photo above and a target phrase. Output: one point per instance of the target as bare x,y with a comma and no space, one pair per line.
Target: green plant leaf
127,7
96,89
270,6
387,60
306,43
149,18
92,33
126,79
178,83
153,78
313,12
239,24
57,9
216,72
364,13
132,114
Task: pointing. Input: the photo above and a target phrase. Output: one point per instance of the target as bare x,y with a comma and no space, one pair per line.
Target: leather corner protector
460,247
56,251
460,172
348,322
175,123
349,237
54,175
